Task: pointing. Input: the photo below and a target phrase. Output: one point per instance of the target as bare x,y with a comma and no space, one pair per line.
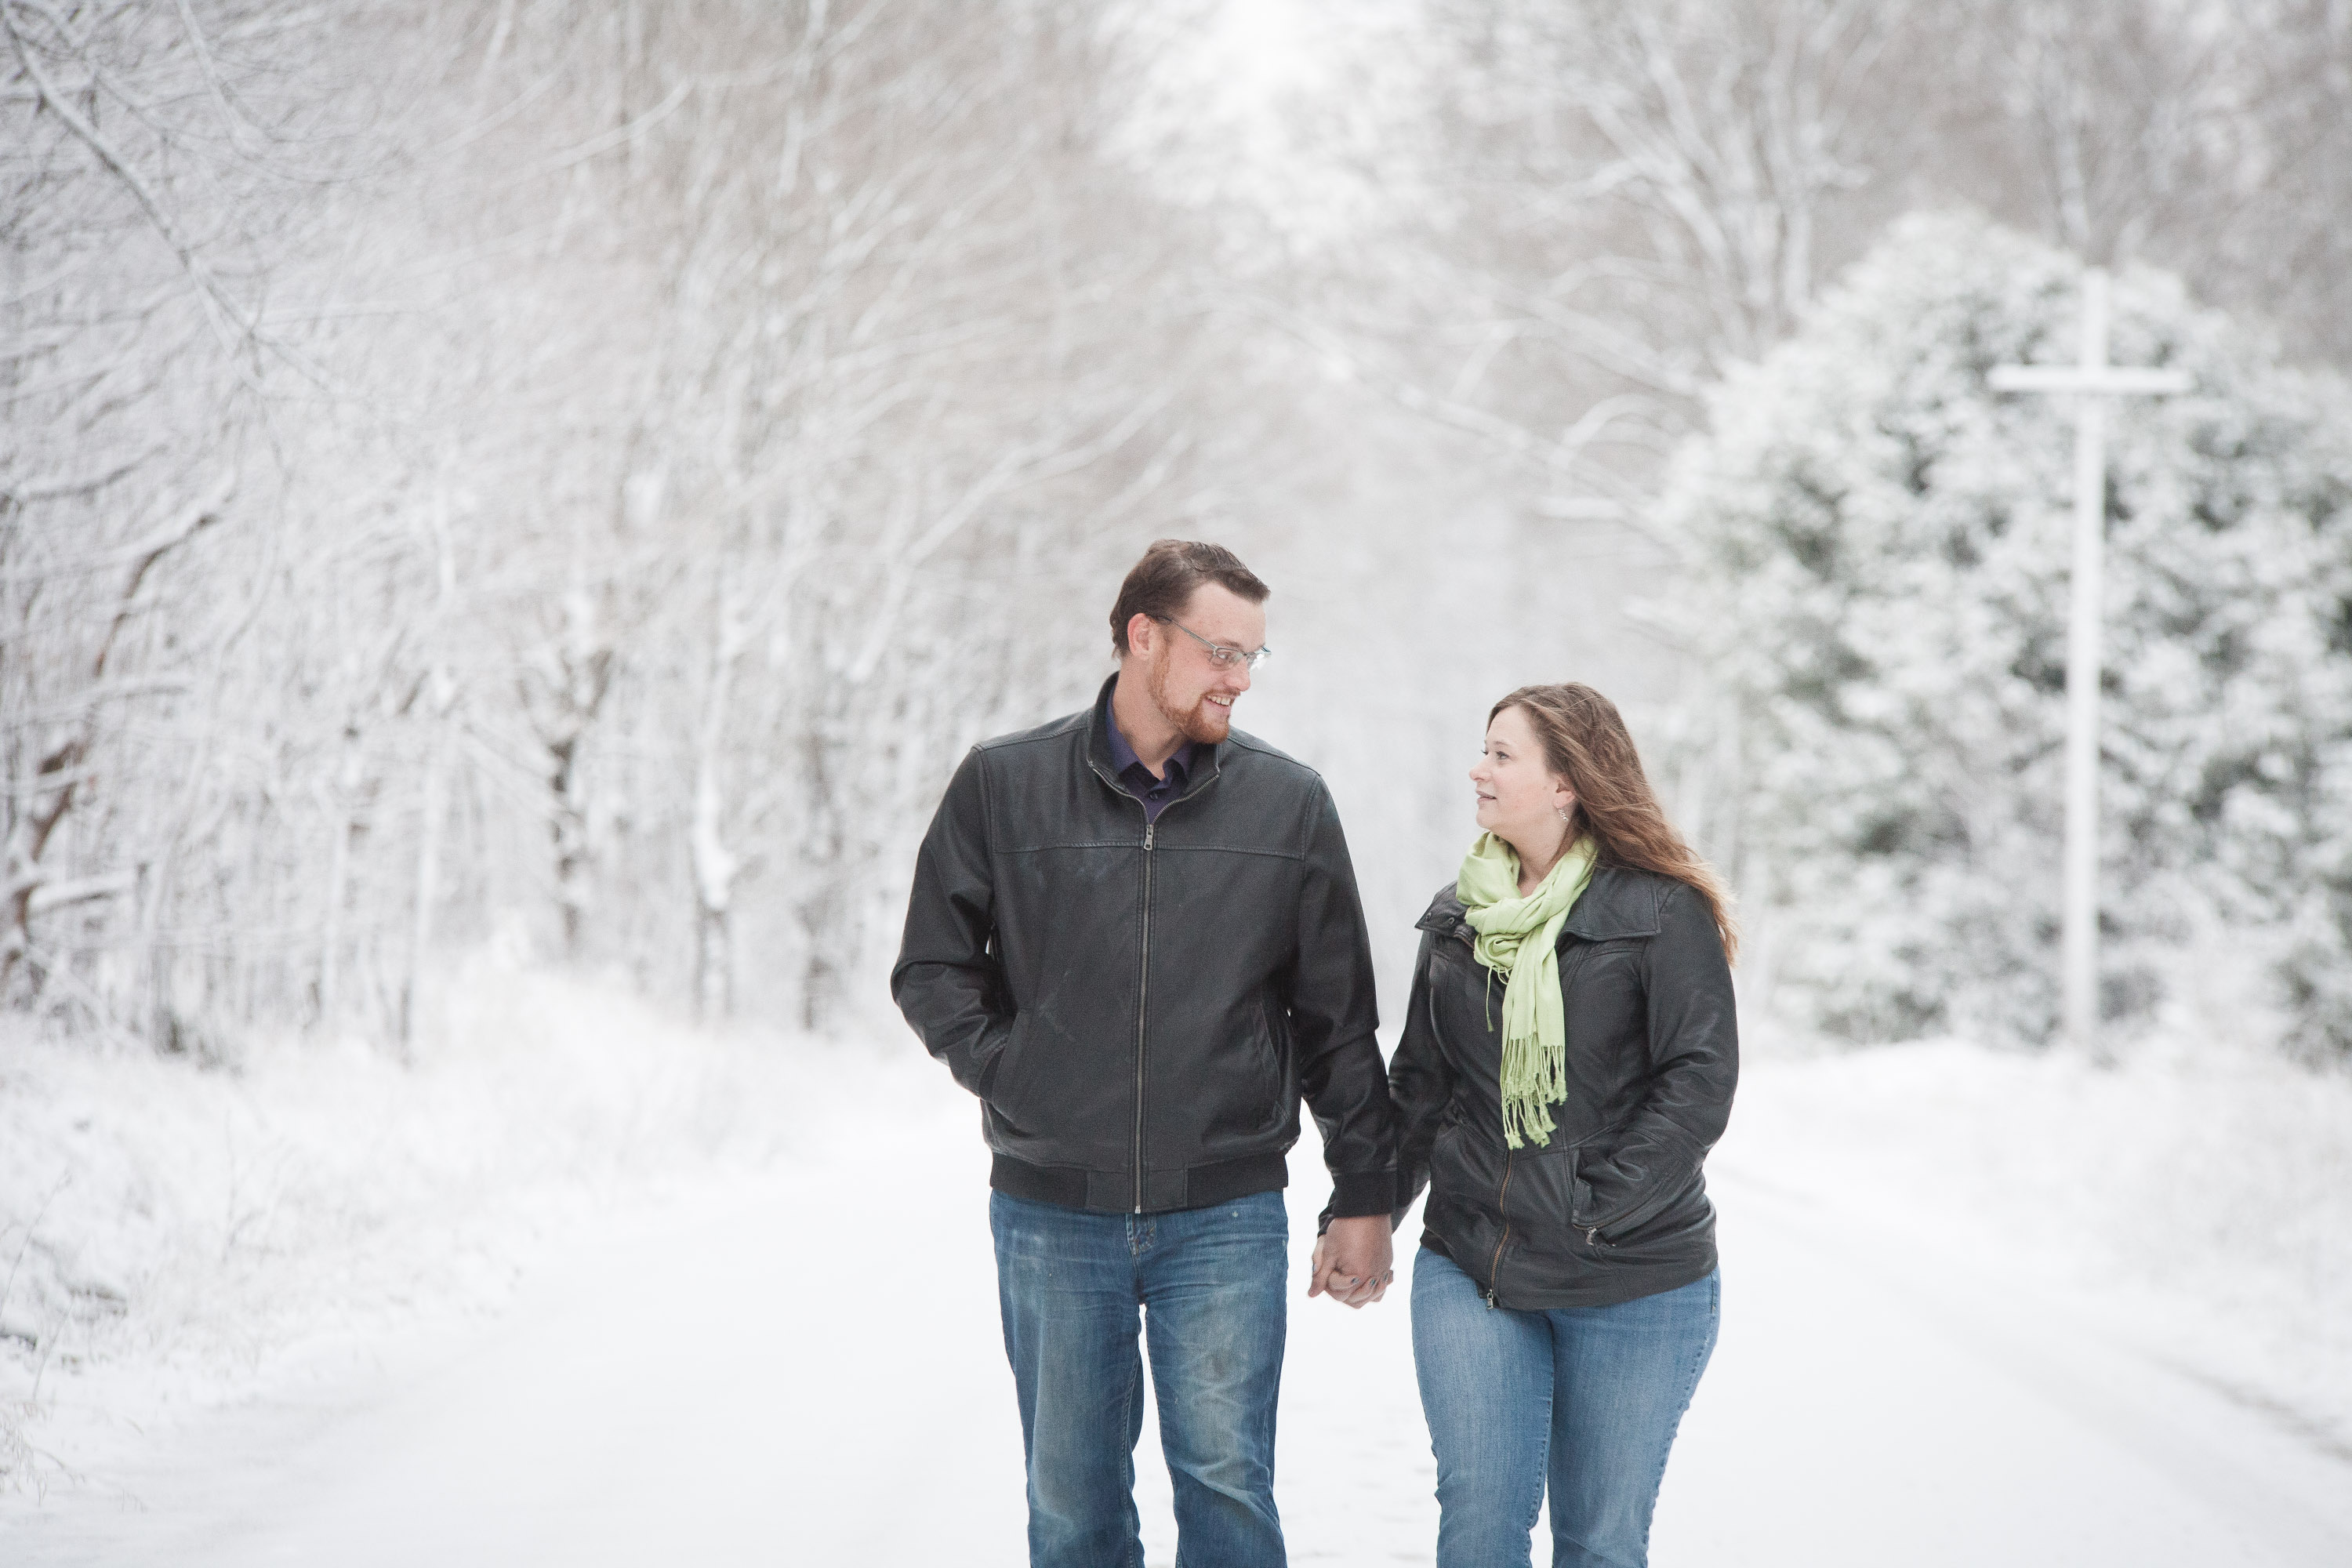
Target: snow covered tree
1878,552
156,173
571,473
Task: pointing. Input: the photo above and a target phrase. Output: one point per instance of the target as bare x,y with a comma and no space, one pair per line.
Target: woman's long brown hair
1586,744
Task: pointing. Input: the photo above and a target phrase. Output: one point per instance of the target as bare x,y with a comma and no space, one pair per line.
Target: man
1135,935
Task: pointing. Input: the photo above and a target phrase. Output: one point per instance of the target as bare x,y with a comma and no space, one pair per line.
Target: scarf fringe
1534,1079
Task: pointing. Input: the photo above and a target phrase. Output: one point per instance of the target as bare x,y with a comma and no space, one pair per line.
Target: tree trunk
428,893
715,865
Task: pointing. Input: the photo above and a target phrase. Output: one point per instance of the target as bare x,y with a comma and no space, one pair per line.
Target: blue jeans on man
1205,1290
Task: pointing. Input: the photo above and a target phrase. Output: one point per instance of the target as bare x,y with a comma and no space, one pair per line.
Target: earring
1564,817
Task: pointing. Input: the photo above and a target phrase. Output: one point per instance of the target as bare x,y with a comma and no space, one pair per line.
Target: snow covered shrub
1878,546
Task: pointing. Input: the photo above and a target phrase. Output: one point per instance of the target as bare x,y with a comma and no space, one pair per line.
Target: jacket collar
1205,759
1617,902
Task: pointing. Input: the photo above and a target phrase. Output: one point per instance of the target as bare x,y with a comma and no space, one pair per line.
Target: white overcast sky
1237,90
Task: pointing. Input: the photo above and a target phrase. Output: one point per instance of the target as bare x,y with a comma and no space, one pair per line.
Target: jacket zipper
1502,1200
1143,975
1142,994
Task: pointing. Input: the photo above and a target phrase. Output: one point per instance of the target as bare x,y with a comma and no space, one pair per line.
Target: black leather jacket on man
1140,1006
1614,1207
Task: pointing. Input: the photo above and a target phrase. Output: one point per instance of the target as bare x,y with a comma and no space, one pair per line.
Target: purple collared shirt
1137,780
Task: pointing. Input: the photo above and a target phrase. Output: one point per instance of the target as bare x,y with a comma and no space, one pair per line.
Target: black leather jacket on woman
1614,1207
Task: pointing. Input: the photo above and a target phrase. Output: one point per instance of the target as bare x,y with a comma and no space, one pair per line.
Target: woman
1568,1057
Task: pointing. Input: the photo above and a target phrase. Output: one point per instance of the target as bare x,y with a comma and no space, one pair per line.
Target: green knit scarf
1520,938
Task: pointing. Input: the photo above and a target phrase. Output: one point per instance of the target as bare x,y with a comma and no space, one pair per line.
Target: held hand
1352,1261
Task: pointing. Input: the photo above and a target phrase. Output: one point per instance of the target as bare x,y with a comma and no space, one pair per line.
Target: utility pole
2091,381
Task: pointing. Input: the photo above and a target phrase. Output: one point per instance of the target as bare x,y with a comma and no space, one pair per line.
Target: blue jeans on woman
1206,1288
1585,1399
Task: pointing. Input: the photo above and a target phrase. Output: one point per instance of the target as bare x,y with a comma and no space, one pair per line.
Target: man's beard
1204,721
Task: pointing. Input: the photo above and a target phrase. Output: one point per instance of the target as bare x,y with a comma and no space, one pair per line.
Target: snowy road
807,1371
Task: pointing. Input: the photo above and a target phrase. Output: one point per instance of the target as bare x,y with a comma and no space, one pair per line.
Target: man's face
1185,683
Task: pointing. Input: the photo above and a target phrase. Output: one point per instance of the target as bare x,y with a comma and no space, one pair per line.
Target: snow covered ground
2196,1201
173,1238
1977,1308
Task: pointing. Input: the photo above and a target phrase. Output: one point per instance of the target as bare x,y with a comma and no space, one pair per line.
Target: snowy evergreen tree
1878,546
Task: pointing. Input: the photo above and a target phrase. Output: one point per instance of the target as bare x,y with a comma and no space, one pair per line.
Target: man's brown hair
1162,583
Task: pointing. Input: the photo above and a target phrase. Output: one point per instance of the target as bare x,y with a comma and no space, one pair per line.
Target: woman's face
1520,799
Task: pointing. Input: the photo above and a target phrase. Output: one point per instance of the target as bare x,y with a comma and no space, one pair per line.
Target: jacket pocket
1686,1210
1271,1063
1543,1204
1463,1180
1580,1197
1004,1082
1232,1088
1464,1207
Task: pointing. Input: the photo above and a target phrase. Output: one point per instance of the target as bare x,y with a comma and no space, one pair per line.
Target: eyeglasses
1221,655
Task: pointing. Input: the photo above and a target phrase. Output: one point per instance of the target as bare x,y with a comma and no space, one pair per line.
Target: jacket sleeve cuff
1355,1193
